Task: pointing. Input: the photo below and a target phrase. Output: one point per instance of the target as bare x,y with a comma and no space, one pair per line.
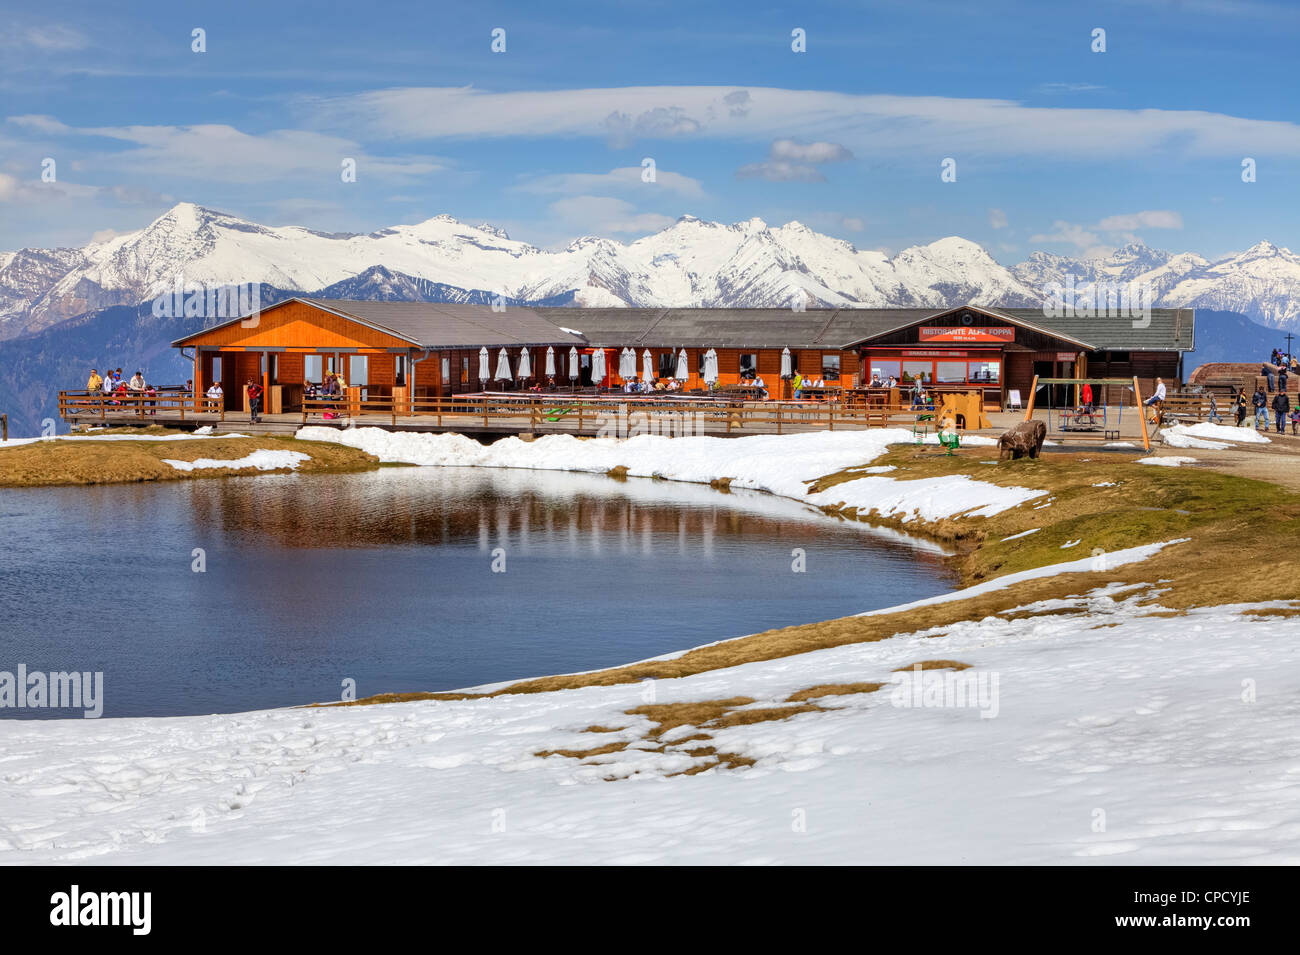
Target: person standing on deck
1085,397
1281,407
1267,371
94,382
1239,408
137,382
1260,402
1281,377
254,401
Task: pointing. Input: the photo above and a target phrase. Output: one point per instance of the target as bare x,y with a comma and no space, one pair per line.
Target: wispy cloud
626,178
869,125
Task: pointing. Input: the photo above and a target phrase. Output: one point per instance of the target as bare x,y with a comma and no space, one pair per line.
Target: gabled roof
435,325
1022,320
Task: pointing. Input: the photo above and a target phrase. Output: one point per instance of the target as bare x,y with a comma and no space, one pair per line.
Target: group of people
878,382
799,383
332,385
1280,405
1277,368
634,386
111,385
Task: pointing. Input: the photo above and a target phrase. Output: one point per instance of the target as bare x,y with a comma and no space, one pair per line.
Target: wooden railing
615,414
80,405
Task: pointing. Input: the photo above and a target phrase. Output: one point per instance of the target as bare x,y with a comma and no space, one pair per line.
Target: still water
387,578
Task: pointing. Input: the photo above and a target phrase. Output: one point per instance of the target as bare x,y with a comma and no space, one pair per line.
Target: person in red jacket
254,401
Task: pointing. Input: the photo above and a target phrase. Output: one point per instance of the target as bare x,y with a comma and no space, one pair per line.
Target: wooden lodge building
430,349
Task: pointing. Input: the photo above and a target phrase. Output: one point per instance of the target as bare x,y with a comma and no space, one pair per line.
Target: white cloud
48,38
853,223
625,178
780,172
869,124
1147,219
1118,228
997,219
791,151
605,214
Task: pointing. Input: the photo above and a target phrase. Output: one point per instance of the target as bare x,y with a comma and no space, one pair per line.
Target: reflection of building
433,349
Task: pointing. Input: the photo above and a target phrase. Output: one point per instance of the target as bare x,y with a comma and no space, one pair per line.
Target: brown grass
832,689
55,463
933,665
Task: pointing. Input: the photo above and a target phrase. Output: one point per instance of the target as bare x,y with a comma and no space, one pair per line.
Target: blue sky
1056,147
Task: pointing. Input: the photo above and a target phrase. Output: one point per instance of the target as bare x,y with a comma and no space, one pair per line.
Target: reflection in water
386,578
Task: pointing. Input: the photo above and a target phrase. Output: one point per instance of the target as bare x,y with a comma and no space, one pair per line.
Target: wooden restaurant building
430,349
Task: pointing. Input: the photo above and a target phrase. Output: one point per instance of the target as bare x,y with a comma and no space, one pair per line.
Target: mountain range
692,263
65,310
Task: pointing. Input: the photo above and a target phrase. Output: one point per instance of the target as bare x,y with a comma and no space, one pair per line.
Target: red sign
1065,356
932,353
967,333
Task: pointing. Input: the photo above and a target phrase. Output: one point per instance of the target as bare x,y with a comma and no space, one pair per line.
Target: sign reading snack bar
968,333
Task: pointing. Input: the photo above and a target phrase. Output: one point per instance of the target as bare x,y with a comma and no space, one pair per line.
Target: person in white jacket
1159,394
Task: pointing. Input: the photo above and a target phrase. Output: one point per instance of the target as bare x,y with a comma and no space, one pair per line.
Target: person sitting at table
216,394
875,381
760,384
674,384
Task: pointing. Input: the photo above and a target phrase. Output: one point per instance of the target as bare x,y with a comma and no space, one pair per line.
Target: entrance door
1058,396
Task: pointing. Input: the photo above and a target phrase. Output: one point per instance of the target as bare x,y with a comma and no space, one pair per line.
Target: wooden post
1142,415
1029,405
778,418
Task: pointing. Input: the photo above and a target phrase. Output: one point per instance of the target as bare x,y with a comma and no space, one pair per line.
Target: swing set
1078,420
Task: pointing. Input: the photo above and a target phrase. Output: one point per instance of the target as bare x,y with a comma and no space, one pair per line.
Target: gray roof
1170,329
434,325
732,327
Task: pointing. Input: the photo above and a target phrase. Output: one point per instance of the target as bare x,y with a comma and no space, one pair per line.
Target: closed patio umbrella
483,374
550,362
786,371
627,364
503,366
710,367
647,367
683,367
525,365
598,366
573,363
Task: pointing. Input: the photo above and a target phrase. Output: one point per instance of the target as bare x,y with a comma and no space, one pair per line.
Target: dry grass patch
933,665
61,463
584,753
832,689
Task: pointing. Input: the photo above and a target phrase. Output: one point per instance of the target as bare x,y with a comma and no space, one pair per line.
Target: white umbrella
503,366
627,364
573,361
683,367
525,365
710,367
550,362
785,364
598,366
483,364
647,366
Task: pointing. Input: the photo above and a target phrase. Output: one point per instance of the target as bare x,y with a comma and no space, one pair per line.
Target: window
216,367
699,362
312,366
831,367
359,371
885,368
923,370
667,364
748,364
951,372
986,372
464,371
399,371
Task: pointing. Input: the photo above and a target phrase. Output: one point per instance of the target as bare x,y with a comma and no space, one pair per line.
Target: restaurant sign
967,333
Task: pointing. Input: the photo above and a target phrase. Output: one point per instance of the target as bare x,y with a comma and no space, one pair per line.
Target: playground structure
1080,420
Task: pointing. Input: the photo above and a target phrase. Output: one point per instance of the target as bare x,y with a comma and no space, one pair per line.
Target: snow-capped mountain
690,263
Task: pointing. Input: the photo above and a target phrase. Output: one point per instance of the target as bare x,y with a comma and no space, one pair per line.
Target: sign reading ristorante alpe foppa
967,333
